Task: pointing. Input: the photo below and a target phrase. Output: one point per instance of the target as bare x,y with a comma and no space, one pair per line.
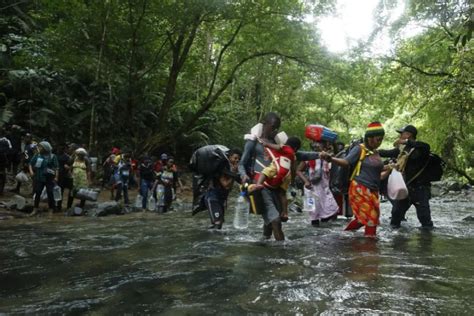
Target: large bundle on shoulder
209,160
320,133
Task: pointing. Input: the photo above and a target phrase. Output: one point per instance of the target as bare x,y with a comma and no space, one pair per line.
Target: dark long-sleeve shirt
417,160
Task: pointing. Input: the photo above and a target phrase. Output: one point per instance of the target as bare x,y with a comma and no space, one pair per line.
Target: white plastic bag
22,177
309,204
43,196
396,187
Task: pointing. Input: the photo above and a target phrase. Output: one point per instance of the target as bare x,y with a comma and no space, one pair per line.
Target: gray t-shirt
370,169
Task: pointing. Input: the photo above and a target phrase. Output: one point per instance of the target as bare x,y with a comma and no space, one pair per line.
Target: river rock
438,188
454,186
469,218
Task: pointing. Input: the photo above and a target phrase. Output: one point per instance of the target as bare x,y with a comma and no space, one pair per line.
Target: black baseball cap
408,128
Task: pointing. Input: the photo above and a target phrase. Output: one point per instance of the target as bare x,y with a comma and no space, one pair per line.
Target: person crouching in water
215,198
365,180
278,174
81,175
44,171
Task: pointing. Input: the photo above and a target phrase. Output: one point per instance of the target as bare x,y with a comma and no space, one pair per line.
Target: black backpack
209,160
339,179
432,171
435,168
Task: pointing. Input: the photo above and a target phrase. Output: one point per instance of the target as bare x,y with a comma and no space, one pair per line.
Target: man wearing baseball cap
412,158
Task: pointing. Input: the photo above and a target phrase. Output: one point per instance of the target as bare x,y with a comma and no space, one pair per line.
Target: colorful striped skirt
365,204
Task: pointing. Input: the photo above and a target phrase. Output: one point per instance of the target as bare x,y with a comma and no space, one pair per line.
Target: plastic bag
43,196
396,187
22,177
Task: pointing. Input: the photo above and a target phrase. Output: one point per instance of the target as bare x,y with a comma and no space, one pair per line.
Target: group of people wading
267,166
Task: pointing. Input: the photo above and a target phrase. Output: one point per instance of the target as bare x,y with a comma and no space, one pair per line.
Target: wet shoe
353,225
315,223
370,231
33,213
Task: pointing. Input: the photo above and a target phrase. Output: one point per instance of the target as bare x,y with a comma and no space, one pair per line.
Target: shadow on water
172,265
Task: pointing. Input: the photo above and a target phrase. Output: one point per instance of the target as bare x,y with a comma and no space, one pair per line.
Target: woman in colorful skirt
367,168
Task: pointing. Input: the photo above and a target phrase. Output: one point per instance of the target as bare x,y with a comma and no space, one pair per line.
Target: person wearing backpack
367,173
413,159
44,171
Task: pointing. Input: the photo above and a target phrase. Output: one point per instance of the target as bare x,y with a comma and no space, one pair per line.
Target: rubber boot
354,225
370,231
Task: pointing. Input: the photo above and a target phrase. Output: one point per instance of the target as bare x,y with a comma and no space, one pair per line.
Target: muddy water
172,265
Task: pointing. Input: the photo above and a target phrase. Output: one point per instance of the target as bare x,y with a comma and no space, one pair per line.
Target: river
171,264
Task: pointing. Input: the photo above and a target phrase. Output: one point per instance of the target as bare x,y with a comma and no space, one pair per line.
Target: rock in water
469,218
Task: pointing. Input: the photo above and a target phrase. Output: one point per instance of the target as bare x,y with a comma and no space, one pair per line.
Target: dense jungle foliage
176,74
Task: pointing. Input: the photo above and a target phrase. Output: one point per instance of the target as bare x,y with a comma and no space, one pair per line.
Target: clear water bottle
151,204
57,193
241,215
138,201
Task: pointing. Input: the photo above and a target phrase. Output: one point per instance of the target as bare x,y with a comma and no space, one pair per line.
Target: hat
47,146
164,157
408,128
374,129
81,151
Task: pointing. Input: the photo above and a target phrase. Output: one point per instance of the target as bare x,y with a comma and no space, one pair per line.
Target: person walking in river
316,175
365,180
44,171
254,160
412,158
81,175
146,179
215,198
166,182
278,175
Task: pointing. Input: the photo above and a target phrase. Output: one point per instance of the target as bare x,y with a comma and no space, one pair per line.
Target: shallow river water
171,264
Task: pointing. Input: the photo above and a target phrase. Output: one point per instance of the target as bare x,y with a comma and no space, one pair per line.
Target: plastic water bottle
138,201
151,203
57,193
241,215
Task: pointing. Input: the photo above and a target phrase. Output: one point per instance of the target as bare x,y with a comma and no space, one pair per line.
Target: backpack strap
364,152
419,172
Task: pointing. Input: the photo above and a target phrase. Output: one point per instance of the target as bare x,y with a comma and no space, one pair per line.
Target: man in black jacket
413,157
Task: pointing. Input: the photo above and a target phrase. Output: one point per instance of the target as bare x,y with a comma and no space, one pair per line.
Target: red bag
314,132
319,132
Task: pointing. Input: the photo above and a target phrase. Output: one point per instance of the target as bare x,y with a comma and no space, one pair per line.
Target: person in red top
278,174
160,163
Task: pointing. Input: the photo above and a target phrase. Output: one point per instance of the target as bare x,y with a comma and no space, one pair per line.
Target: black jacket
416,160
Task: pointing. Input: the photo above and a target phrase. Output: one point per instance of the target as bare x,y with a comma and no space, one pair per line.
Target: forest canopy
154,74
